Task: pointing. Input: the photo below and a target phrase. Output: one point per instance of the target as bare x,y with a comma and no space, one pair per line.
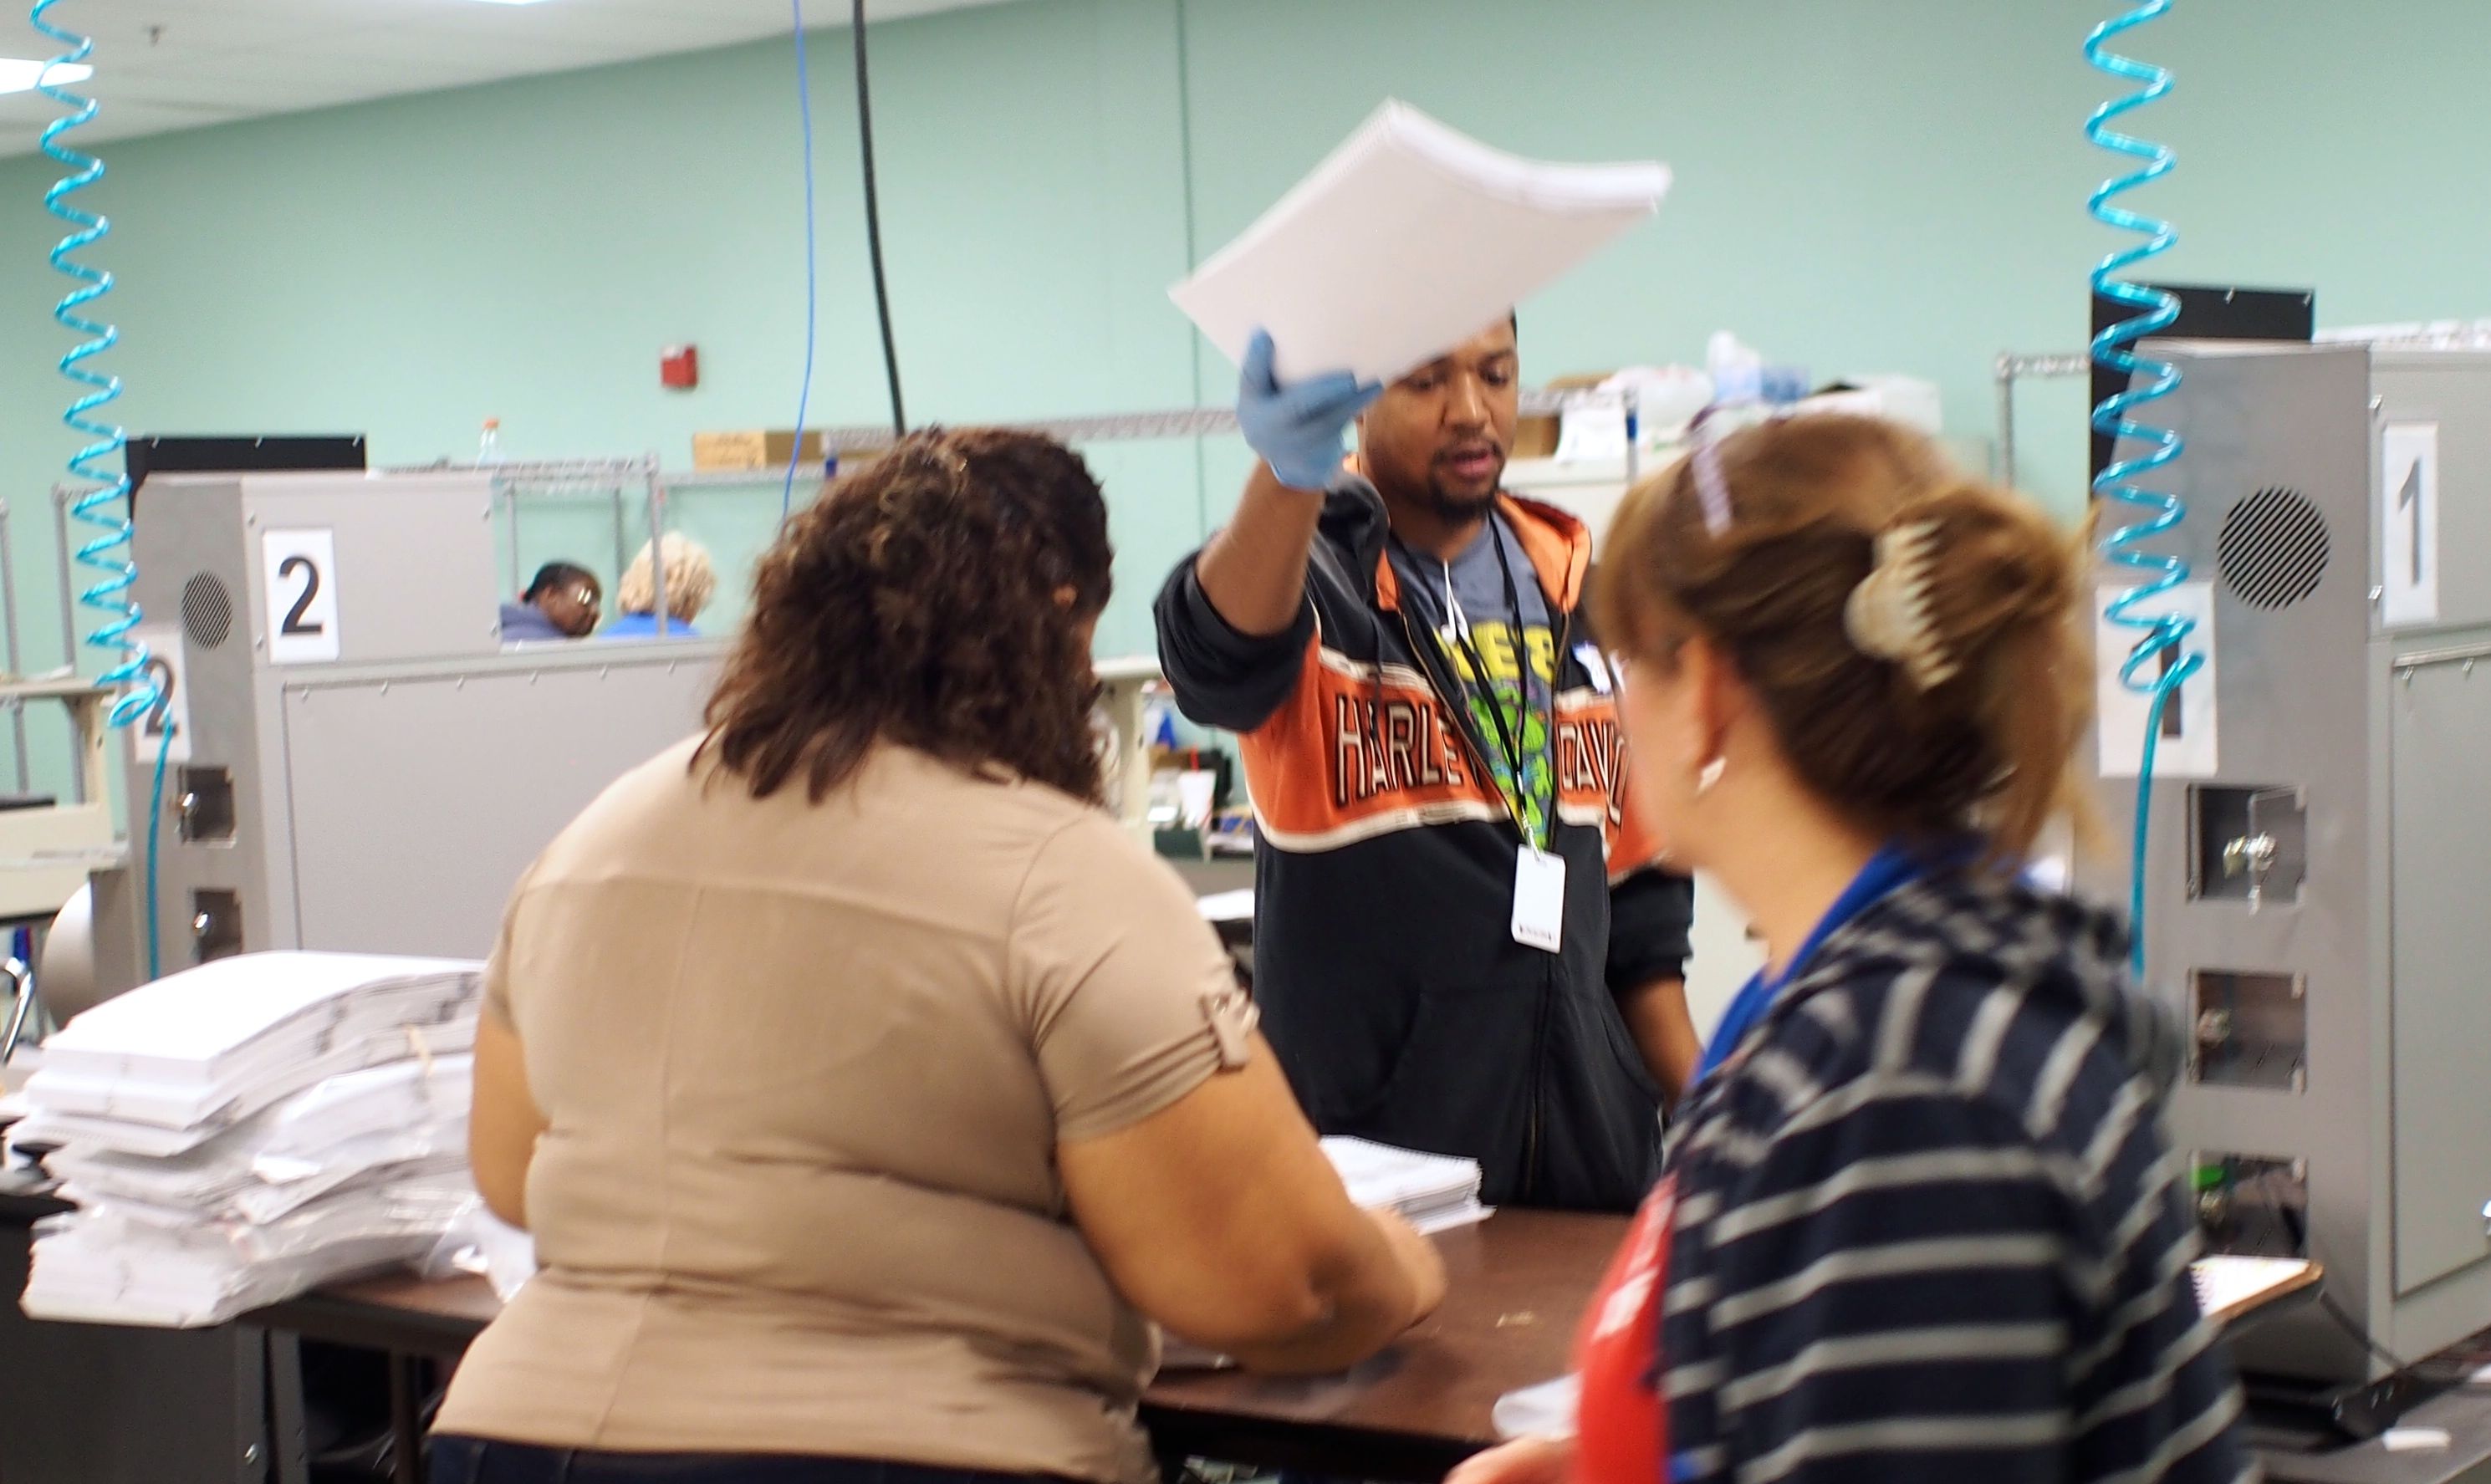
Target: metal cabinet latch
2253,854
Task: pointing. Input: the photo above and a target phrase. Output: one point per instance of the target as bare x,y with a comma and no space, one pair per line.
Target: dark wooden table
1518,1283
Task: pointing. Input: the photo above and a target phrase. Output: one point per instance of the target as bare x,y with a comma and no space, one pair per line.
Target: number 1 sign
299,581
2409,524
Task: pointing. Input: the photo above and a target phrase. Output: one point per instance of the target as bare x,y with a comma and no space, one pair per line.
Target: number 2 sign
171,709
299,580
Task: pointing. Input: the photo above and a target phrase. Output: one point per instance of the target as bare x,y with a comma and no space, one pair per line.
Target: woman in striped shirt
1919,1223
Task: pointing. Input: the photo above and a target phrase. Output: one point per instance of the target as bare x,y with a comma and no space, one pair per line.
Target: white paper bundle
105,1267
1406,241
261,1204
243,1131
406,1115
1433,1192
194,1053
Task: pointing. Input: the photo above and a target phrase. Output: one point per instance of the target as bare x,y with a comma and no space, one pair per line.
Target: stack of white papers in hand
1406,241
240,1132
1433,1192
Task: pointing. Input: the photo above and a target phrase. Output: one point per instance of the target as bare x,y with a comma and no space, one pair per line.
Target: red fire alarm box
678,366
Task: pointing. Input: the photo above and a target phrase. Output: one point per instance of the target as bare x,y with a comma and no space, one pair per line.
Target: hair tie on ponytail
1888,616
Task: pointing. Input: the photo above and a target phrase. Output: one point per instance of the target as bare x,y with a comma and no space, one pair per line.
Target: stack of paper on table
2231,1289
1433,1192
248,1129
172,1062
1404,242
393,1116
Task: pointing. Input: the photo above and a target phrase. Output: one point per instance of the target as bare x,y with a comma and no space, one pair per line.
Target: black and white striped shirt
1927,1228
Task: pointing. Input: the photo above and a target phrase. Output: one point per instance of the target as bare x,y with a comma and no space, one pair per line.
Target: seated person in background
1919,1224
561,602
867,1089
691,582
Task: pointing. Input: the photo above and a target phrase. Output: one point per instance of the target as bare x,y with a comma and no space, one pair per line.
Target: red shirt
1623,1421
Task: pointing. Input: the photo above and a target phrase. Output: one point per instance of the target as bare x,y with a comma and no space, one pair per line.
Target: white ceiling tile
172,64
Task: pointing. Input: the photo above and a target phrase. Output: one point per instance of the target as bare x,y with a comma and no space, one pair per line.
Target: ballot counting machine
2320,836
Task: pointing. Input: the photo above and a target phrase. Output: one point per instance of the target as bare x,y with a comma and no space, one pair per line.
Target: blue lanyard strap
1890,869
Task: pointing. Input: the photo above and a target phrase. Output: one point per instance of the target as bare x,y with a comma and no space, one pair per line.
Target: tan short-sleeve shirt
806,1067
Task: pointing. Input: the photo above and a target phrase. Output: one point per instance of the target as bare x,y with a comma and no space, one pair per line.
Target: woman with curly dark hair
867,1089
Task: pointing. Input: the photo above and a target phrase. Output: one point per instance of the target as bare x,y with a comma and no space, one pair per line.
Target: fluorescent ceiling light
18,74
512,2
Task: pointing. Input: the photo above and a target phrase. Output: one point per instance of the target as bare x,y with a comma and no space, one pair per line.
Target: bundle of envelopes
1433,1192
239,1132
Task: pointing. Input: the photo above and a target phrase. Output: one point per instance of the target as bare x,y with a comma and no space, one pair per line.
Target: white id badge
1539,899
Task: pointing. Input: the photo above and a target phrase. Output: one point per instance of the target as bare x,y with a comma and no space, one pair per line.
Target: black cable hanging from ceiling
873,222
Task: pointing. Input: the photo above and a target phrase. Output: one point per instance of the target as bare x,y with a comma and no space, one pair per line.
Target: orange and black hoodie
1385,964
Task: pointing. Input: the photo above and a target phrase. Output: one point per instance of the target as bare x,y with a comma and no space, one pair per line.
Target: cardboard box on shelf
1536,437
758,448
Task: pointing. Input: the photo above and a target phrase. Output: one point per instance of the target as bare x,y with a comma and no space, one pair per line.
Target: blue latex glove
1302,431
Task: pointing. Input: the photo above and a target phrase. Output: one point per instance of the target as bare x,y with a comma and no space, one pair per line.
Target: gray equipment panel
384,800
2453,391
2442,1007
416,803
100,1404
414,574
2334,846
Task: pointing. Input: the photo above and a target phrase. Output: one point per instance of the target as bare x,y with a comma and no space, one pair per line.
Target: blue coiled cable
2160,663
104,507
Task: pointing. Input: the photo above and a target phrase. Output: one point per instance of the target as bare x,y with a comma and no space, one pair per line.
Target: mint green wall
1900,185
410,266
1896,187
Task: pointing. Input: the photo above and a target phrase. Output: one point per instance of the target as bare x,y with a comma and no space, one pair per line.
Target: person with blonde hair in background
1920,1223
692,581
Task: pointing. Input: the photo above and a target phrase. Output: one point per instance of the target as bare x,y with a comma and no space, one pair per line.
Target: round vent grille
2273,548
207,611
